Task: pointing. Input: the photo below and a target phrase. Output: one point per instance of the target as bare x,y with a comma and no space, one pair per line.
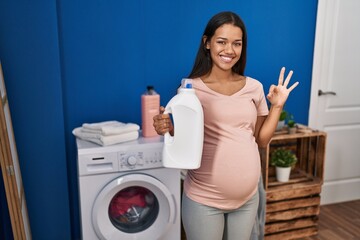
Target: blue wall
68,62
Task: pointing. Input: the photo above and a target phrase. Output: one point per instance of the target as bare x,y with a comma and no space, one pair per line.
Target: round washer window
133,209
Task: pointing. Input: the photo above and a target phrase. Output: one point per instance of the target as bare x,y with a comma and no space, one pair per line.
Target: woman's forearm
269,126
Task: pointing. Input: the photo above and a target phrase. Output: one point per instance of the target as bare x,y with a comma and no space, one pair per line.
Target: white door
335,96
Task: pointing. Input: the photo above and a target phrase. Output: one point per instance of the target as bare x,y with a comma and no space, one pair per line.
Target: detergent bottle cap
186,83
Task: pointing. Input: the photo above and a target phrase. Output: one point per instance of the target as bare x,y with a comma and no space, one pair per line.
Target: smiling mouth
226,59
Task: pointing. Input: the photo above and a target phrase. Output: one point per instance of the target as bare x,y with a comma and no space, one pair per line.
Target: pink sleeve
262,107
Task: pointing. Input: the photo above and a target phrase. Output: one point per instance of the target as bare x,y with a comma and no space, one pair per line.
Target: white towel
110,127
105,140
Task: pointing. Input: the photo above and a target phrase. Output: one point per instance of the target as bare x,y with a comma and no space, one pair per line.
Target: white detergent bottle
184,149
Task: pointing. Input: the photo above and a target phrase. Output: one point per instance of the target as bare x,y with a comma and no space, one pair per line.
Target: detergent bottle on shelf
184,149
150,105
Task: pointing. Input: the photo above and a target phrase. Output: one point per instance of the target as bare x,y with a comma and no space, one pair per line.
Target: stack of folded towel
108,132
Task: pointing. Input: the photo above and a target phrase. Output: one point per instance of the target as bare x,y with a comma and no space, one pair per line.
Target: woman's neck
220,76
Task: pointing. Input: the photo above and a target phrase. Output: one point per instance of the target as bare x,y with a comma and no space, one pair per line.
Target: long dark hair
203,62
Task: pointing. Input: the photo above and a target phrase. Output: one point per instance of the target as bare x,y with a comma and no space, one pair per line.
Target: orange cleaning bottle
150,104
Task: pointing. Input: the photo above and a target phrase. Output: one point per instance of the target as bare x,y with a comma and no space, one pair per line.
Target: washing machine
126,193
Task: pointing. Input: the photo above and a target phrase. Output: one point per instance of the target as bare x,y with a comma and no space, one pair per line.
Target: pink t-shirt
230,165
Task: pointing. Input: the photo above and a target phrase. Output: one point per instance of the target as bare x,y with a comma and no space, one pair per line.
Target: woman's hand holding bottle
162,123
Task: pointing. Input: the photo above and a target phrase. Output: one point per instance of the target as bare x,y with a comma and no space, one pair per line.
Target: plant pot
283,174
280,125
292,130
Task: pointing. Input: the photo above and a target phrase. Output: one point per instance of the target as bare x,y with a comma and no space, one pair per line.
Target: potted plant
282,119
283,160
291,124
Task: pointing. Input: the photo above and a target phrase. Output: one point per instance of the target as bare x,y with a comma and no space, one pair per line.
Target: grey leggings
207,223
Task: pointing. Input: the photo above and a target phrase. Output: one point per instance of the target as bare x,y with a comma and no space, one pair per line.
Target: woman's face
225,46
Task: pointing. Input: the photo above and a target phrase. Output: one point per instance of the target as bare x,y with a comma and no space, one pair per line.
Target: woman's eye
237,44
221,42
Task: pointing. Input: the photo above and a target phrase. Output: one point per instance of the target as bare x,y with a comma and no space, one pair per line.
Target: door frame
10,170
326,25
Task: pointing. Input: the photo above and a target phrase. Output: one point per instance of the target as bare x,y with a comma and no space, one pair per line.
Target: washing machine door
134,206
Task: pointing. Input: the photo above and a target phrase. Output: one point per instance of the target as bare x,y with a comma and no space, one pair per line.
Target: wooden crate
292,208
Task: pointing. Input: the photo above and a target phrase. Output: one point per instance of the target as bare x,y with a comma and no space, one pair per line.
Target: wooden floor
337,222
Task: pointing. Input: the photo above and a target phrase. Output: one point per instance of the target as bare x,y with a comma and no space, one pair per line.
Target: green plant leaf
283,115
282,157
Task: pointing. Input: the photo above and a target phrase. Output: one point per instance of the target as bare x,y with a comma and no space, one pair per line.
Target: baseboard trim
340,191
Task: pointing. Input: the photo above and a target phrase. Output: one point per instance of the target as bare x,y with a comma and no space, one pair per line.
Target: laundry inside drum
133,209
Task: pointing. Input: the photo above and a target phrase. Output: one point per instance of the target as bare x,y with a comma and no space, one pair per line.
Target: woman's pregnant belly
230,170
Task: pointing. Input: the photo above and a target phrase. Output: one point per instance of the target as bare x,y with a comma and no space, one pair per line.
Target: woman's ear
206,43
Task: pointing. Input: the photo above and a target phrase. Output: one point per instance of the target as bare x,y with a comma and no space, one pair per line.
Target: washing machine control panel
145,153
150,158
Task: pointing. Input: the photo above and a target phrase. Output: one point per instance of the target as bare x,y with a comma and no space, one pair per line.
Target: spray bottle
184,149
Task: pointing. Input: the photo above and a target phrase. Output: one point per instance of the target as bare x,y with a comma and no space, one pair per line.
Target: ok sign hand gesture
278,94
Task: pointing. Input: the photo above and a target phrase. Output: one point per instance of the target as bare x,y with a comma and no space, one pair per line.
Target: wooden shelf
297,176
292,208
309,148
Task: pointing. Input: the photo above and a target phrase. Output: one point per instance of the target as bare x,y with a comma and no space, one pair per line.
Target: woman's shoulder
254,86
253,82
196,81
